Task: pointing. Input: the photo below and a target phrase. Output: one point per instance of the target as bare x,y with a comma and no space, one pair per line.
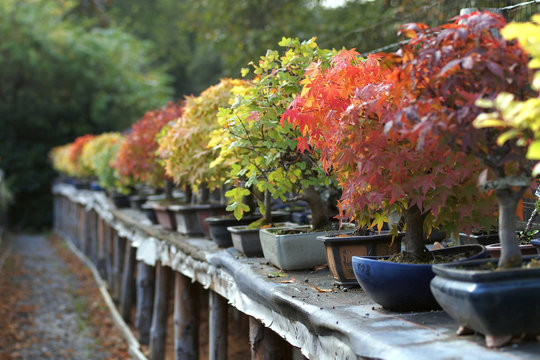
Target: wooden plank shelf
287,315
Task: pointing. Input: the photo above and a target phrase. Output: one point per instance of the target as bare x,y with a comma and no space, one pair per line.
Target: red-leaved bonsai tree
137,158
441,73
348,113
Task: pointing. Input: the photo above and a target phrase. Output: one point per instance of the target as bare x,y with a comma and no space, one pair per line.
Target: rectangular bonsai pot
164,216
341,249
247,241
296,251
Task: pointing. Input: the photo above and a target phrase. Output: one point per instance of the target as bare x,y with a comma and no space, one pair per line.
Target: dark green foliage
60,80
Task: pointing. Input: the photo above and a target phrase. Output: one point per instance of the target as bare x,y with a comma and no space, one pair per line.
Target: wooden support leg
158,332
186,318
93,236
109,253
145,300
217,323
266,344
128,283
119,245
81,236
101,257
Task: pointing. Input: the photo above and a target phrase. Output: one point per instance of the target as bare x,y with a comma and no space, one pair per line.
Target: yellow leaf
534,150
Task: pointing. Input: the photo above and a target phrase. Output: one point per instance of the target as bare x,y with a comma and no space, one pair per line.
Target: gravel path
49,318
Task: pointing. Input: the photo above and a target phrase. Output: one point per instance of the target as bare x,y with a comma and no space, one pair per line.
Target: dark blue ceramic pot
536,243
402,287
491,302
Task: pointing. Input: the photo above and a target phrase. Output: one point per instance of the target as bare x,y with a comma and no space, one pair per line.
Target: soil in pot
403,286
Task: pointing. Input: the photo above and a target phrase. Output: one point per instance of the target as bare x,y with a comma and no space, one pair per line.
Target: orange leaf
519,209
322,290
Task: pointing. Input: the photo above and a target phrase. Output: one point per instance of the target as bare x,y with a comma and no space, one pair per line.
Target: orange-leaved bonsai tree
137,158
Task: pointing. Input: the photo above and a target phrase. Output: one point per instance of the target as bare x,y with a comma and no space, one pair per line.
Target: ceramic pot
399,286
491,302
495,249
164,216
483,239
190,219
148,210
341,249
136,201
536,243
219,225
121,201
298,249
247,241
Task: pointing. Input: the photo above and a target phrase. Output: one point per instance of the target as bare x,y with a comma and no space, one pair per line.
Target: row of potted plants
400,140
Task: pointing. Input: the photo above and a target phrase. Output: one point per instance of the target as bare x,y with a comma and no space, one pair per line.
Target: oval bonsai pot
297,250
502,302
218,225
399,286
164,216
341,249
536,243
247,241
495,249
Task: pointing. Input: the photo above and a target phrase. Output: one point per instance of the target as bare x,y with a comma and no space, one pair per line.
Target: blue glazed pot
491,302
402,287
536,243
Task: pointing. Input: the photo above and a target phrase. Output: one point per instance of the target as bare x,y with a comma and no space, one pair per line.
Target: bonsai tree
98,155
137,156
346,112
77,167
513,124
266,160
59,157
441,73
183,146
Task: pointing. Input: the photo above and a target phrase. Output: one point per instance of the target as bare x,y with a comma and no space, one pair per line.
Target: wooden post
109,253
119,245
217,323
145,300
101,257
186,318
266,344
128,283
158,331
93,236
81,236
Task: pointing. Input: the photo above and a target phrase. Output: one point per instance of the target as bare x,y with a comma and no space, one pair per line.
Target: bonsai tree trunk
267,207
319,216
414,243
507,200
168,190
188,191
204,194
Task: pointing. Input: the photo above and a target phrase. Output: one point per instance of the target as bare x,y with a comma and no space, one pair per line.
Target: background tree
61,80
